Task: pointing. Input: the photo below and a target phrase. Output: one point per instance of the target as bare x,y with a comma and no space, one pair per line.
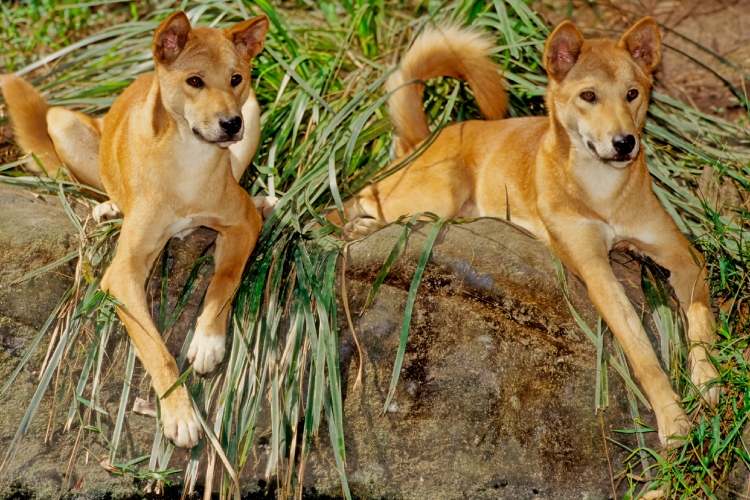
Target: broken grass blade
334,370
164,281
217,447
198,271
601,397
336,437
635,415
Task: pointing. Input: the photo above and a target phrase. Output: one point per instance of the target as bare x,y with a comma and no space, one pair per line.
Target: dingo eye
632,94
588,96
195,81
236,80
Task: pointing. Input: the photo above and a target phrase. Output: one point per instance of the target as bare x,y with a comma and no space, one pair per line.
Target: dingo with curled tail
577,179
169,155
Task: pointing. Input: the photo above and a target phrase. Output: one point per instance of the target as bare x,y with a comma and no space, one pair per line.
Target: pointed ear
644,44
171,37
248,36
562,49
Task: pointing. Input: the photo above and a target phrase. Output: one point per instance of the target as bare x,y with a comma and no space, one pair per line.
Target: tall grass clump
325,135
30,26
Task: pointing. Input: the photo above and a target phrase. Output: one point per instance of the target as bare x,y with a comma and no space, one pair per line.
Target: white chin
619,164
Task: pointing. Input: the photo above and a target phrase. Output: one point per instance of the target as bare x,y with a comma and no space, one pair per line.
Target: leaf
178,383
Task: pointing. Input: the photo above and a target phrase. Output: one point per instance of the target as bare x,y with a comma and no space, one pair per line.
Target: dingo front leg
125,279
234,244
666,245
242,152
580,245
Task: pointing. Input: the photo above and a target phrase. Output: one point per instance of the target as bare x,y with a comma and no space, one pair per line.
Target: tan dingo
577,179
168,154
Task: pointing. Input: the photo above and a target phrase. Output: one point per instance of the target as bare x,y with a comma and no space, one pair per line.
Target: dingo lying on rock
169,155
576,179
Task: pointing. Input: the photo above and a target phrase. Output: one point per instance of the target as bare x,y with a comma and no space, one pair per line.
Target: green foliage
325,135
30,26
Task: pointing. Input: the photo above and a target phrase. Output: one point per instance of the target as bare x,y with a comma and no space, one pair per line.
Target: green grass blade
411,298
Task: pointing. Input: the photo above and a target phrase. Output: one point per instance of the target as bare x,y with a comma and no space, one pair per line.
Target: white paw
179,421
361,226
265,204
206,351
702,373
673,425
106,211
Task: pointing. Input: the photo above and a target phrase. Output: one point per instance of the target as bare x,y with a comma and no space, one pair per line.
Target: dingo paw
179,421
206,351
106,211
360,227
265,204
702,373
673,426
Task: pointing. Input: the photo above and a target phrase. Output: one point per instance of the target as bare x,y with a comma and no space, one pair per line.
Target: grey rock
495,398
496,393
35,231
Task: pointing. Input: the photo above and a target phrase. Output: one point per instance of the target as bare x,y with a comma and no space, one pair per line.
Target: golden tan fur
169,154
448,51
28,116
577,179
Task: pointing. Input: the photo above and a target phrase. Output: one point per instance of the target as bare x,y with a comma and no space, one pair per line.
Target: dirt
719,26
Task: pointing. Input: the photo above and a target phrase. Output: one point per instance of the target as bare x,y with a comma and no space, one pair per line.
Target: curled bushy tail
28,115
443,51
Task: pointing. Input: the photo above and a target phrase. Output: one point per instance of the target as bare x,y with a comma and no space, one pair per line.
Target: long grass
325,135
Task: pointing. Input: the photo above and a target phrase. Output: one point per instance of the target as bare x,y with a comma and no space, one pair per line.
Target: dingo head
204,74
599,89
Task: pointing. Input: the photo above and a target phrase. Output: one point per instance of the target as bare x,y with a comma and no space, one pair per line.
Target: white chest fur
197,165
181,227
598,180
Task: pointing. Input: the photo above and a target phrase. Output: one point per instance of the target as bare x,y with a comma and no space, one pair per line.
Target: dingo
577,179
168,154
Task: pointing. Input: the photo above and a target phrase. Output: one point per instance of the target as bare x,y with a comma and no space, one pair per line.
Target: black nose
623,144
231,125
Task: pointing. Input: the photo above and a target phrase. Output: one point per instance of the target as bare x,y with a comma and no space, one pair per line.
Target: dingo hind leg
76,138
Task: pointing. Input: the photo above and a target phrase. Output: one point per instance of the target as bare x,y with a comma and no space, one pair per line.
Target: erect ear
562,49
249,36
644,44
171,37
